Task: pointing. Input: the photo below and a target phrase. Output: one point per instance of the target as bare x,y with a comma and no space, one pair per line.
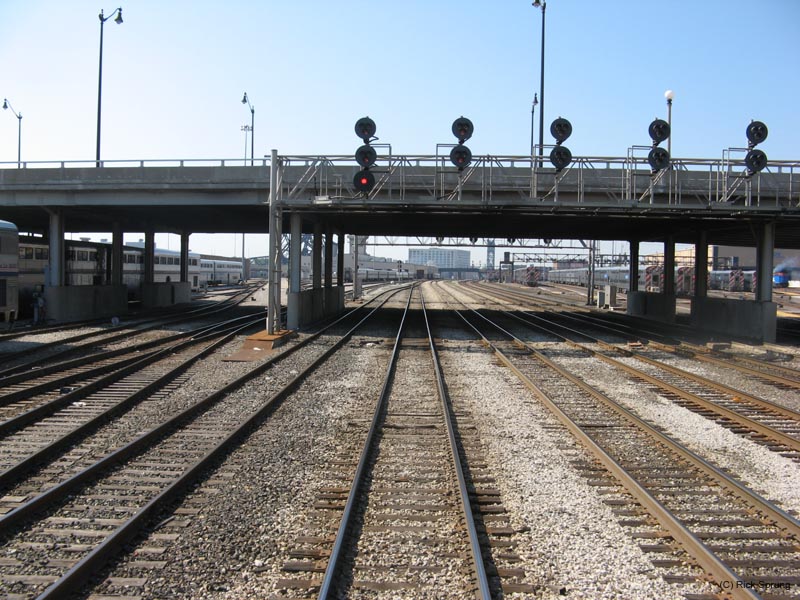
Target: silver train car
652,279
88,263
365,274
9,272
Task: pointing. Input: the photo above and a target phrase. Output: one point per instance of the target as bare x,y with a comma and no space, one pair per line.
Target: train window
41,253
193,262
83,255
71,255
92,256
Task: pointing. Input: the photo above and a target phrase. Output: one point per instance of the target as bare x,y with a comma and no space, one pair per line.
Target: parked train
780,279
365,274
652,278
89,263
9,272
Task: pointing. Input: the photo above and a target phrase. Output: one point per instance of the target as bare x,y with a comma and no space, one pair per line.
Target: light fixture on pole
543,6
7,106
246,100
103,20
669,95
533,110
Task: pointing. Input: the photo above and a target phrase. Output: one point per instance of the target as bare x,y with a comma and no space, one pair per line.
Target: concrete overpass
697,201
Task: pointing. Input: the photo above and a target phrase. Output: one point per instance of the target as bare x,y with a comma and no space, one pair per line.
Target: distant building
443,258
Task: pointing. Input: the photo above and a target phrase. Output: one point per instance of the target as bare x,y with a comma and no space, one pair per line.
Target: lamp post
669,95
543,6
533,109
103,20
246,129
6,106
246,100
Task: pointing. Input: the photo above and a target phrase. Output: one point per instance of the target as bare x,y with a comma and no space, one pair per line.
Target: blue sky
175,71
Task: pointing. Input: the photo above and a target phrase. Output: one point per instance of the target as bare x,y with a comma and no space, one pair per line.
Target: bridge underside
651,224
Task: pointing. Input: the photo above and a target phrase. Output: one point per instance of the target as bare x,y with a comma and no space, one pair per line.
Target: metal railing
491,179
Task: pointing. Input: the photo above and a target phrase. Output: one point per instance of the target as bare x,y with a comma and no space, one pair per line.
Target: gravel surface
575,541
272,482
772,475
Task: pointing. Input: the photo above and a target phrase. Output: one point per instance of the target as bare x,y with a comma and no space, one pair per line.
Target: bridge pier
323,299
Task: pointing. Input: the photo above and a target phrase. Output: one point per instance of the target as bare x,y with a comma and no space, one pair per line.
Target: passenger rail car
365,274
9,272
88,263
652,279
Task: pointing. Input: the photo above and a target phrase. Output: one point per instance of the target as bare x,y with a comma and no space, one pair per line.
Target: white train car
9,272
226,272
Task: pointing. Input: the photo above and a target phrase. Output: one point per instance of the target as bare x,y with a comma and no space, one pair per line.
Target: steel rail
331,576
15,473
786,521
720,387
475,545
791,377
691,543
151,324
46,386
88,566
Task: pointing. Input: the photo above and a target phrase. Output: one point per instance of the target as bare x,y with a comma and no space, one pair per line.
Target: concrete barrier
652,305
81,302
166,294
756,321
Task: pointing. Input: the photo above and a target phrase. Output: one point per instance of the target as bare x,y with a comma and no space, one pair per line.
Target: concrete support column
669,267
56,261
295,253
701,265
340,259
117,255
149,256
185,256
316,257
354,254
633,274
328,257
765,253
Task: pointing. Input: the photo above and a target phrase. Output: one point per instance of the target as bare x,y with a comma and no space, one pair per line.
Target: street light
6,106
246,100
533,109
543,6
669,95
103,20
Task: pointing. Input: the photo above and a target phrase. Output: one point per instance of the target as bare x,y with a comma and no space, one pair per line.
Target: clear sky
174,73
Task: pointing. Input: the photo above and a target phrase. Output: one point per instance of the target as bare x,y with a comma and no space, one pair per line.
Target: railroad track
43,390
697,515
40,437
48,352
772,425
404,521
60,537
784,377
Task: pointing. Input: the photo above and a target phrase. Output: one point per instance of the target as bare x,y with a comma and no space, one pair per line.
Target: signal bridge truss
498,180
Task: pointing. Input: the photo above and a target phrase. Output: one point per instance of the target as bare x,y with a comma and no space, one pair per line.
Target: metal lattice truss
688,183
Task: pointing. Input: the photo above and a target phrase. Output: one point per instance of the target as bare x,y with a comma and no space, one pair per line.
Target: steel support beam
274,271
